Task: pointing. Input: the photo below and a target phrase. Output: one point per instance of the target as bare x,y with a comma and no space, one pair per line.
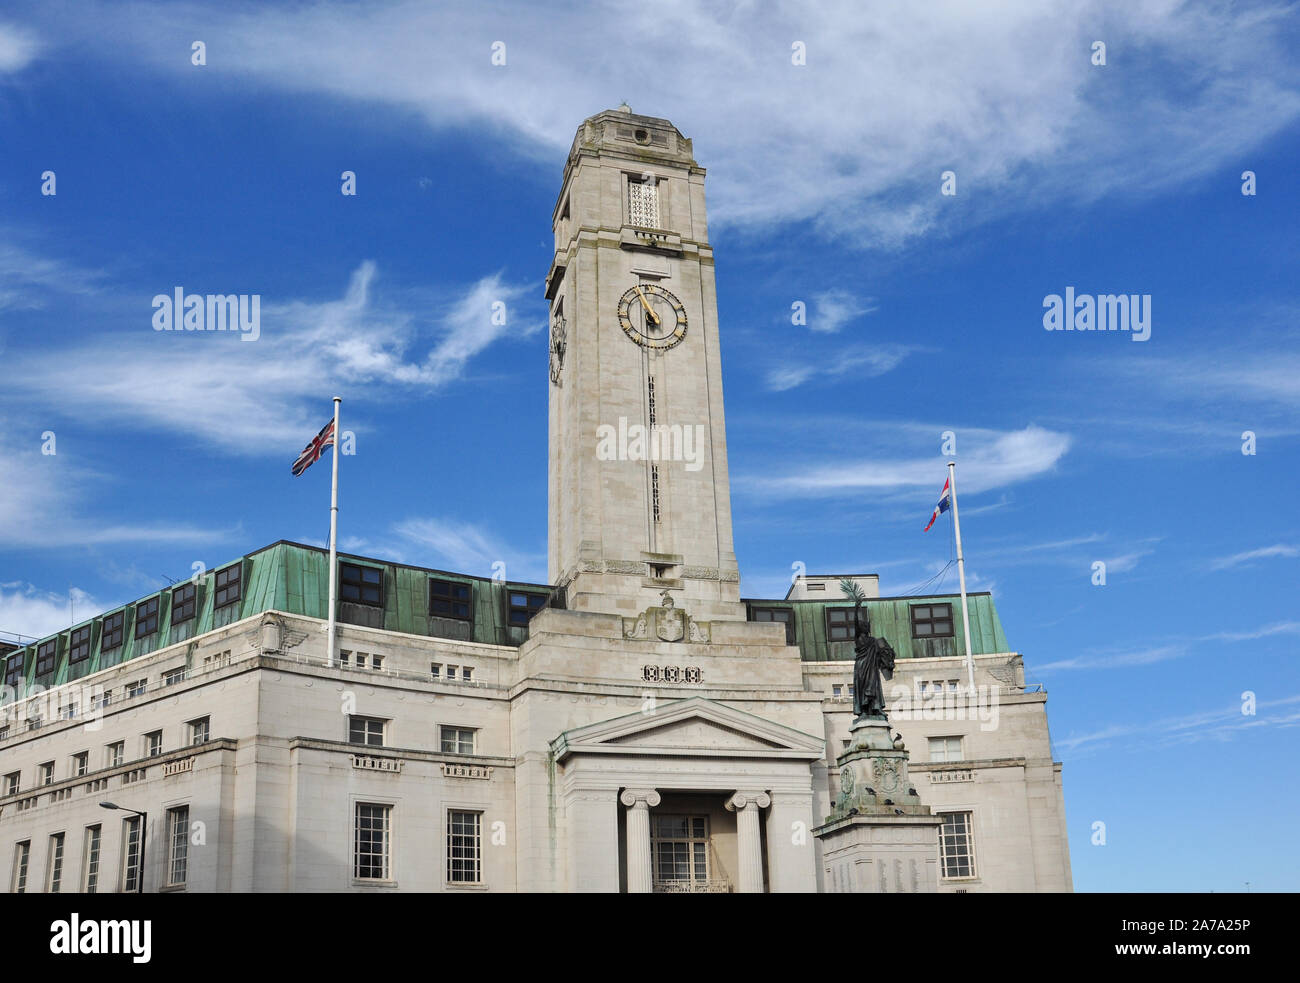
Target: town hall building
634,725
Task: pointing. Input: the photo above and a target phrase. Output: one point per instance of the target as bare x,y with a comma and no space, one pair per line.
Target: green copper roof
294,578
891,619
286,577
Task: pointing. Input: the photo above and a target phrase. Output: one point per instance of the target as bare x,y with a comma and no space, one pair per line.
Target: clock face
652,317
559,331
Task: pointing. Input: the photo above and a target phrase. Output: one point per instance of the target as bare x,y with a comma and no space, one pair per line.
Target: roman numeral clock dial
652,317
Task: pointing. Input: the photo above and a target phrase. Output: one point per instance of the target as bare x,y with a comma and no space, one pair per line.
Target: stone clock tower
640,504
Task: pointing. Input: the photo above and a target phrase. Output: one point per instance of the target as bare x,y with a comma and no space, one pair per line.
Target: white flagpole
334,528
961,576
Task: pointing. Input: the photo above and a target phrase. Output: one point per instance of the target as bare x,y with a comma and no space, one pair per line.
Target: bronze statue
873,657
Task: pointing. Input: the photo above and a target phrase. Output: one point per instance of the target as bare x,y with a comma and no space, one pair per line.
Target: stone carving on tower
666,623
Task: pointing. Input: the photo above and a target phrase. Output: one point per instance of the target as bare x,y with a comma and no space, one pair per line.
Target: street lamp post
144,826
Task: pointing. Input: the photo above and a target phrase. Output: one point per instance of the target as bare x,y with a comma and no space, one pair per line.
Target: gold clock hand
646,304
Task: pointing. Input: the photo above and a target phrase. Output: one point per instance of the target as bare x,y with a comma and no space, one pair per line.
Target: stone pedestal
879,838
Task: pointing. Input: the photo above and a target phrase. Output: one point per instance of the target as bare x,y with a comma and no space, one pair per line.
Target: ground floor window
957,845
679,847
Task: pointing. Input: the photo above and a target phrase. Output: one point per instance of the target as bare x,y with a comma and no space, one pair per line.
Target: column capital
644,798
742,800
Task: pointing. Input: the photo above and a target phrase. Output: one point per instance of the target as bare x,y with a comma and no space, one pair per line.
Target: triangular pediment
695,727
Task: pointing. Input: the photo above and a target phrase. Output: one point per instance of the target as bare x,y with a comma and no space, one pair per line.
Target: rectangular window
102,699
12,782
945,749
345,658
361,585
183,603
199,731
4,733
679,849
451,673
366,730
90,864
131,872
146,618
782,616
228,583
523,605
839,624
68,711
173,676
370,854
22,856
80,764
466,674
458,740
153,744
464,847
14,671
114,753
79,646
435,670
113,630
837,691
54,875
47,773
376,662
178,842
643,202
47,656
361,660
136,688
956,845
931,620
448,599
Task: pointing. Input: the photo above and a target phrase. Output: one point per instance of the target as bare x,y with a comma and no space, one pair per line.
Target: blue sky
924,315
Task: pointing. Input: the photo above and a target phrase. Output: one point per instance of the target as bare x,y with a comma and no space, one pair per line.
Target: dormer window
228,583
362,585
46,657
111,637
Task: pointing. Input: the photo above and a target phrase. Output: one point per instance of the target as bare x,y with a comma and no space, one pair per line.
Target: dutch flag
945,503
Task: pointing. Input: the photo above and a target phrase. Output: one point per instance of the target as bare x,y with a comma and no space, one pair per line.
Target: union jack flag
312,452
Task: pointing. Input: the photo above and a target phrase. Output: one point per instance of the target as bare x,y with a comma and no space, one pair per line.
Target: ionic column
639,801
749,846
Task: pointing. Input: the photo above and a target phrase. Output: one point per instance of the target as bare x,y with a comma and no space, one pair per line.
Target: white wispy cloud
990,459
28,277
1118,660
45,503
28,610
832,309
265,396
466,548
1222,724
18,48
854,361
1267,631
1283,550
853,141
